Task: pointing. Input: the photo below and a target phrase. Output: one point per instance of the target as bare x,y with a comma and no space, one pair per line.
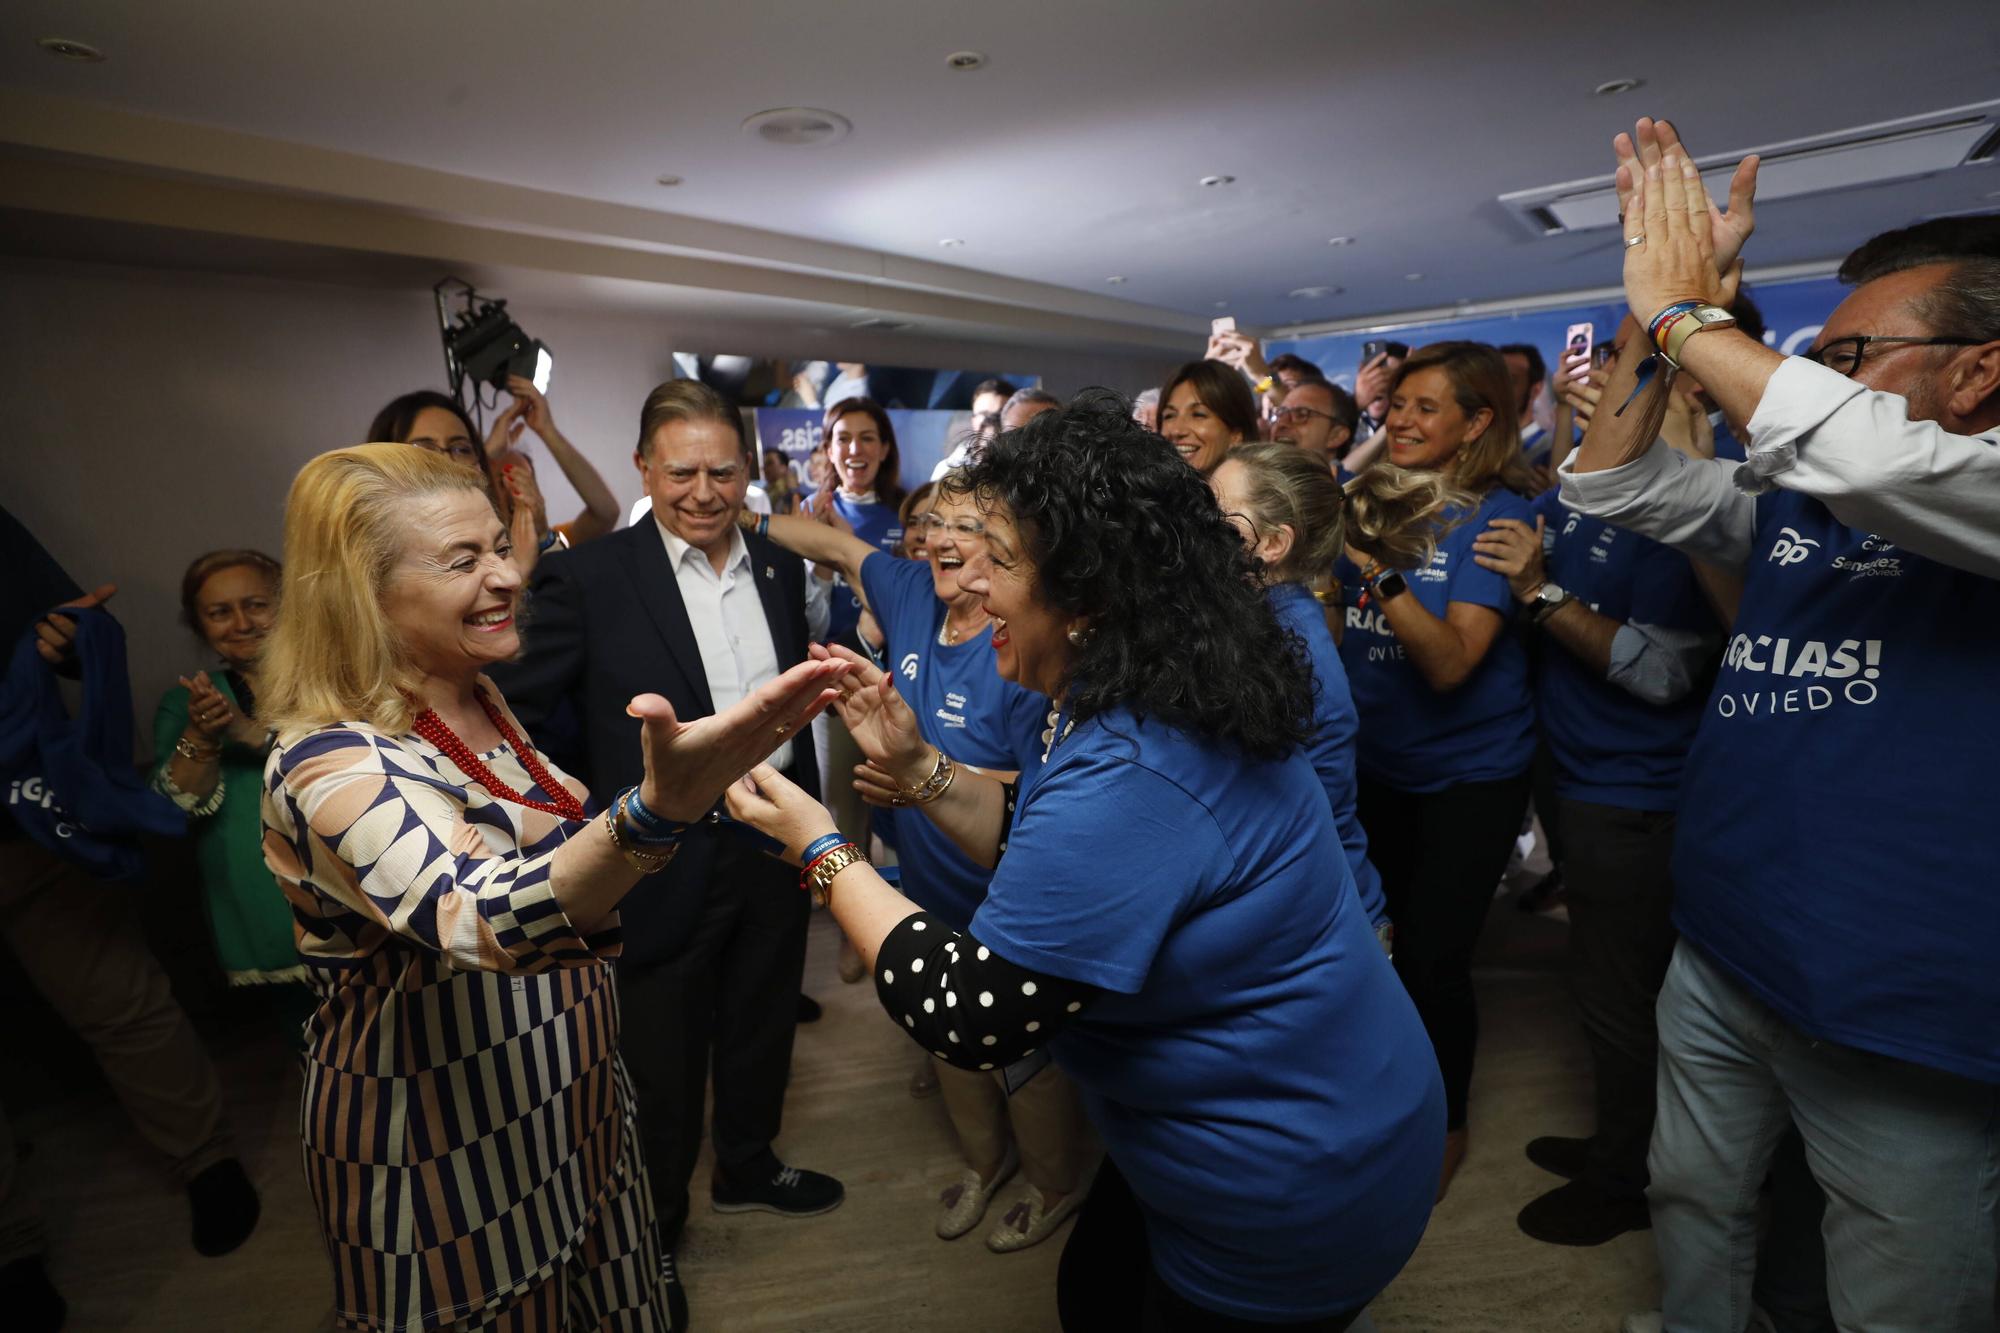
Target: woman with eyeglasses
939,651
435,421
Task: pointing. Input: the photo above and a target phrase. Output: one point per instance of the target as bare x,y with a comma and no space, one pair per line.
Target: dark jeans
733,989
1441,855
1616,869
1107,1279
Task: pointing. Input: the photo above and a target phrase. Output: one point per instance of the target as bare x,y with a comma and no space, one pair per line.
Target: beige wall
154,414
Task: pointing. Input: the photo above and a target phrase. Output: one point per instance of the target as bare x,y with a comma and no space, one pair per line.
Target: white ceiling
1072,156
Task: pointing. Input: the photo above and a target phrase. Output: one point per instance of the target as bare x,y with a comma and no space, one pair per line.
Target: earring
1079,637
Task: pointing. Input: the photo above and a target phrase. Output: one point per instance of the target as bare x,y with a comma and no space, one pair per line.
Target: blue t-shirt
1332,746
1253,1064
1610,746
1834,851
1726,444
1414,738
963,707
875,523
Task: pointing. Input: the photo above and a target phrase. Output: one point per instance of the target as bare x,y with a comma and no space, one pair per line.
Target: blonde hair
1478,375
1389,512
333,656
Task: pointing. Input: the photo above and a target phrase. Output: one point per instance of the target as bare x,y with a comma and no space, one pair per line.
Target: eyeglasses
1844,354
964,529
1302,414
459,453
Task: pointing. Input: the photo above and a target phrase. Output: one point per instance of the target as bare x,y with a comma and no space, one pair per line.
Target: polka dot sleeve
964,1003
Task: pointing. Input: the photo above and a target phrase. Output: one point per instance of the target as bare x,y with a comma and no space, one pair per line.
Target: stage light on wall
483,344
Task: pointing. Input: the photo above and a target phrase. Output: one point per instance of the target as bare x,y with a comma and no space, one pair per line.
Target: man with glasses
1319,417
1833,879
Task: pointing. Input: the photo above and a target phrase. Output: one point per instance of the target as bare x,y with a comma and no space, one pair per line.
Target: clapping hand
690,764
1678,245
533,407
1511,547
55,633
209,710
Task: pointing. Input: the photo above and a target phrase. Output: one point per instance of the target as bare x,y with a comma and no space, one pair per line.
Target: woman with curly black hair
1172,920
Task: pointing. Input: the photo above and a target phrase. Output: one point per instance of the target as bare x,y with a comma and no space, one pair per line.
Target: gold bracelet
823,870
194,754
646,863
934,786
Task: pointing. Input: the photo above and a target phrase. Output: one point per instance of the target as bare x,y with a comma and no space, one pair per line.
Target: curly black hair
1122,531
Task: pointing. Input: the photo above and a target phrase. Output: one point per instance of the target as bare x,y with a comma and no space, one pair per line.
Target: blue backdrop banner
1793,313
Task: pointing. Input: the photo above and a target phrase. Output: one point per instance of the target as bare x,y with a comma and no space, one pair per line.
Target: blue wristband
763,525
648,827
820,846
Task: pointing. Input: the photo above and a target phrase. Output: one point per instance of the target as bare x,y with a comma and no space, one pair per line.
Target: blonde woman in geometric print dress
468,1130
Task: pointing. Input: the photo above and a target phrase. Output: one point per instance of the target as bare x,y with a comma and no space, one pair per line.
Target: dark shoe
1580,1213
809,1010
1544,895
1568,1158
677,1297
225,1207
32,1303
788,1191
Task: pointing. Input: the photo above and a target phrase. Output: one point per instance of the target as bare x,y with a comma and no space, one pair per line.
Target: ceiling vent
798,126
1893,150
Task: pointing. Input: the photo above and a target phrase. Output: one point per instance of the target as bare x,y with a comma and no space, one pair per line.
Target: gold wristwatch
823,870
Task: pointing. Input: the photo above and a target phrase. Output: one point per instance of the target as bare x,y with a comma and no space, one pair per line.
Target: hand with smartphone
1380,359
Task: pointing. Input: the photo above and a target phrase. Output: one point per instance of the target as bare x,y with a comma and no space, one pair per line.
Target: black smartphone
1375,347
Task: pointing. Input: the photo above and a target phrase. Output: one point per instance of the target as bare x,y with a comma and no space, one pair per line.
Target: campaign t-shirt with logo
1413,737
1835,852
1332,746
1611,747
1252,1062
875,523
963,707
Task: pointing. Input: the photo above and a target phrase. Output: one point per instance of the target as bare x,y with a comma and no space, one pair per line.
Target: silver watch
1547,598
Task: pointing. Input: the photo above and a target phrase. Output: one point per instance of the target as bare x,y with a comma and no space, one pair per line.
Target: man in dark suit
687,604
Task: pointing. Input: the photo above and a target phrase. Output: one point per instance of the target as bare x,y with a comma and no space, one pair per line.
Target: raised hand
55,633
1675,260
209,711
534,407
1373,379
1647,147
690,764
881,723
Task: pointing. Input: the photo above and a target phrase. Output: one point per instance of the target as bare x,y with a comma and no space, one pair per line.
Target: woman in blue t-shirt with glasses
1171,916
1441,682
938,645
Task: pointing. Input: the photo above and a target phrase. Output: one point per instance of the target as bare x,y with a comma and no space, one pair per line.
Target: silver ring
1631,241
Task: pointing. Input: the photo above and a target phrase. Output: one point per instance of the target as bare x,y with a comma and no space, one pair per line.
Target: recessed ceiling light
1212,181
965,59
63,48
952,243
1313,293
1116,280
670,180
1340,240
798,126
1222,305
1613,87
1413,277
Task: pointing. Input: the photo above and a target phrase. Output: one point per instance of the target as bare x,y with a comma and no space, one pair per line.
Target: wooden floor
120,1255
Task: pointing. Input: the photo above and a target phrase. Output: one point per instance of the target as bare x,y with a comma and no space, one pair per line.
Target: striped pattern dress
466,1117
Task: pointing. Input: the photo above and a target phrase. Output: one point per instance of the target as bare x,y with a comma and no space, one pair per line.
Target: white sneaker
1649,1321
964,1201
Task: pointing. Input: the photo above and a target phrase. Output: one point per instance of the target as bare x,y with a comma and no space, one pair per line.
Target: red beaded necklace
432,728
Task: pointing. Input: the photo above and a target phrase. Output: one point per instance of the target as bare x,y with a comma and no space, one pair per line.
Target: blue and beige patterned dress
467,1123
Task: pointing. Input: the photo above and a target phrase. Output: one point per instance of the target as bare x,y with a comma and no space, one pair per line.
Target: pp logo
908,666
1791,547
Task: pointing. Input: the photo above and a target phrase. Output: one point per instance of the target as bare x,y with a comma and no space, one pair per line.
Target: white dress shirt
1817,432
737,653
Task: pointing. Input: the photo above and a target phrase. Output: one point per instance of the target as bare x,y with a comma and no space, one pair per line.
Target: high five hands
1678,245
